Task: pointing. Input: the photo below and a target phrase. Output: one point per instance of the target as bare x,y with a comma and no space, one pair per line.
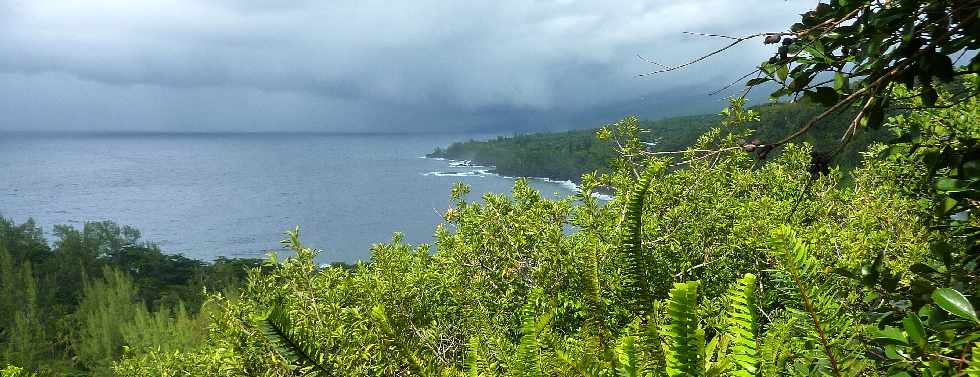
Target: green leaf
782,72
947,206
890,335
955,303
840,81
915,330
948,184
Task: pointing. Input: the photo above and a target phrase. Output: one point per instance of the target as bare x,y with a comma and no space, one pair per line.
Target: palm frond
629,364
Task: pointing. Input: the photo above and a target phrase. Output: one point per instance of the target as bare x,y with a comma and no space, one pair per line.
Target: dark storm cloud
362,65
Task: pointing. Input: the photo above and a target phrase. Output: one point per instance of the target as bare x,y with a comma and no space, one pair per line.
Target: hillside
567,155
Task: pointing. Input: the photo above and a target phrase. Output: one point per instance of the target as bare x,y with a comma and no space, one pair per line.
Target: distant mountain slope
567,155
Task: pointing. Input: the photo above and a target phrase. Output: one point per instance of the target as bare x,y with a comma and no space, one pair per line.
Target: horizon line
243,132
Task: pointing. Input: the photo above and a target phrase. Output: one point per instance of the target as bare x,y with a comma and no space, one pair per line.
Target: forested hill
567,155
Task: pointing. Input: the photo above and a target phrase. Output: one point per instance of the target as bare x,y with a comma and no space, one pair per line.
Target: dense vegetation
70,306
729,258
569,155
724,266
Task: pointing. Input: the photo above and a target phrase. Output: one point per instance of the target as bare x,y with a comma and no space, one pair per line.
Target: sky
367,65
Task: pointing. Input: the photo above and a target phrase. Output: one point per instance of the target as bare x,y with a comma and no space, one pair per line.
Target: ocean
210,195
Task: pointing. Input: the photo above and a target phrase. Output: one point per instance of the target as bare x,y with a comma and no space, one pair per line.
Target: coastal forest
566,156
832,234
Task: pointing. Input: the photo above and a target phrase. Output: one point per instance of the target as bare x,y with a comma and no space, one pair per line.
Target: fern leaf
637,264
685,356
527,350
743,326
289,343
593,298
652,345
380,315
626,352
474,362
830,326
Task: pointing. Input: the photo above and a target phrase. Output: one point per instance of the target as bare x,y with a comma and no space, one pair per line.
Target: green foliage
12,371
814,297
106,302
164,330
287,340
638,265
869,48
774,270
110,320
79,303
569,155
206,362
685,355
743,326
522,285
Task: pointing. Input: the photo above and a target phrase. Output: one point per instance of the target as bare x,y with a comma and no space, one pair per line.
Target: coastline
485,170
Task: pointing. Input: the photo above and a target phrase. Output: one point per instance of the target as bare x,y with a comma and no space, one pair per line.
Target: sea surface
209,195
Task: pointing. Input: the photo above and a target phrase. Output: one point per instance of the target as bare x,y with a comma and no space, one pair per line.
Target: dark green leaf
915,330
890,335
955,303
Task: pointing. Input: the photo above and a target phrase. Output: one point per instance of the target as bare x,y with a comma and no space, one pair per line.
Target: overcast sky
365,65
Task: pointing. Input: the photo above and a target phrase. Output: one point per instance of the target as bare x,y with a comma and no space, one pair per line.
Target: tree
855,53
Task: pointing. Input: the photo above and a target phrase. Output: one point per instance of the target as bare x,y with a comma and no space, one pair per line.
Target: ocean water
209,195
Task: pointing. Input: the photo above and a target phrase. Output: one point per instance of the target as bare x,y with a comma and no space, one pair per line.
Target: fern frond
527,350
631,246
830,326
743,326
685,356
290,343
474,362
652,345
591,291
628,355
380,315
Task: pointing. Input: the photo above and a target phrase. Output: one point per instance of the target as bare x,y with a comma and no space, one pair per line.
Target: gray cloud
364,65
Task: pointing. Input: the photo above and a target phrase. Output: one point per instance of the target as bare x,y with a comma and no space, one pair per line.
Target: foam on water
485,172
472,173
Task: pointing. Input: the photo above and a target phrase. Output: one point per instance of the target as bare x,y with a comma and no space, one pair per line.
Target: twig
651,61
852,128
840,105
799,200
954,104
731,84
710,54
713,153
709,35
